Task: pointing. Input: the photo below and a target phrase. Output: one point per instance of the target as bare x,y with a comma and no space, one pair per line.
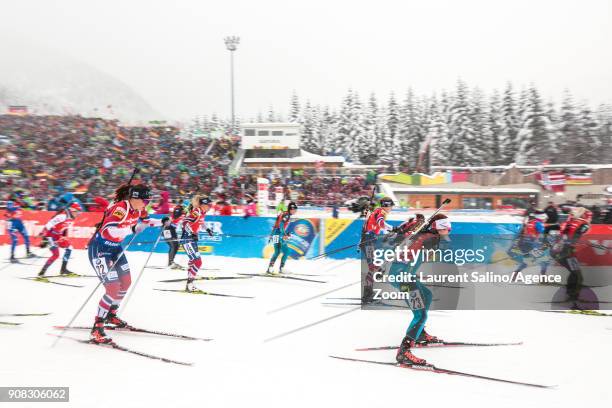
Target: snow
241,368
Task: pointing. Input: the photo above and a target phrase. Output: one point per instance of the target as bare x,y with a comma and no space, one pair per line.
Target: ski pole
217,235
134,172
59,336
129,295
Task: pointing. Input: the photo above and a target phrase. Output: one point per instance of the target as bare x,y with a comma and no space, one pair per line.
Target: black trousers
172,241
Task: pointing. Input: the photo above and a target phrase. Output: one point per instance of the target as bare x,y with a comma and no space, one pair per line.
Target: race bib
415,301
275,239
100,267
536,253
167,234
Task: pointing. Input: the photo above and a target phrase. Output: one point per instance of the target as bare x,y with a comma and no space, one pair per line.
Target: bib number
275,239
101,267
167,234
415,301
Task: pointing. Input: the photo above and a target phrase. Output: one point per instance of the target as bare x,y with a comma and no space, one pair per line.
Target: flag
17,110
552,181
579,179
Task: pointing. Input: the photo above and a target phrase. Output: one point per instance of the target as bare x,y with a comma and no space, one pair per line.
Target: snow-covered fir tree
411,132
271,115
535,145
588,143
461,149
510,126
604,121
294,109
349,127
567,129
328,133
308,141
367,150
495,127
441,146
388,146
461,128
215,122
478,138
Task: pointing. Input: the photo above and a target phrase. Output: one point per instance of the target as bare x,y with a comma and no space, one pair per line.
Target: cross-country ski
433,369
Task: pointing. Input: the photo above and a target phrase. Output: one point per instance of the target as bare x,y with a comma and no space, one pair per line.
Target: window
263,133
249,132
277,133
480,203
516,202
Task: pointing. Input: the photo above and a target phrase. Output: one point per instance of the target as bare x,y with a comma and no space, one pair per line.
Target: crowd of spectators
47,156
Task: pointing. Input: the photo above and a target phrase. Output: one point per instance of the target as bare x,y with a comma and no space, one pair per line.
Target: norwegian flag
552,181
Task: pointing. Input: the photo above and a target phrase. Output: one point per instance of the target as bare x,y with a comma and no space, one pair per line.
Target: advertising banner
248,238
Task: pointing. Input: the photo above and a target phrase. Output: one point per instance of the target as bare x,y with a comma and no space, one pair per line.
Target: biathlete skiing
14,213
55,236
375,225
435,235
531,243
279,237
171,236
564,251
192,223
126,216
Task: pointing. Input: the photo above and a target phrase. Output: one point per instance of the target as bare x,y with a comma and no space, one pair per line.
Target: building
463,195
277,146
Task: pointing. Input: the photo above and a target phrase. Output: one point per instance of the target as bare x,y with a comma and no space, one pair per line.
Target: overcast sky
172,52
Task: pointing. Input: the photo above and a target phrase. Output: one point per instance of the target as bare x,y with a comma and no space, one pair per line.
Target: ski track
238,368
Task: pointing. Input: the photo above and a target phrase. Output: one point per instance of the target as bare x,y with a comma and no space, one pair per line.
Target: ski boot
174,265
29,254
111,318
405,356
521,266
98,335
43,271
282,270
190,287
271,271
368,294
426,338
14,260
64,270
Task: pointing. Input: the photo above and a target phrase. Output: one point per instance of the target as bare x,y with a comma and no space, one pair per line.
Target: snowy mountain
49,82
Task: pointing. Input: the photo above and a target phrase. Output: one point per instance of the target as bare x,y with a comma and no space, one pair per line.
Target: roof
525,167
304,157
464,187
269,125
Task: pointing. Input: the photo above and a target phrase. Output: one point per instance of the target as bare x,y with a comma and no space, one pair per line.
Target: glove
165,221
44,242
138,228
194,237
209,231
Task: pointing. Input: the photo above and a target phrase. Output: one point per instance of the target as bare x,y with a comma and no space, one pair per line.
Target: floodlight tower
231,43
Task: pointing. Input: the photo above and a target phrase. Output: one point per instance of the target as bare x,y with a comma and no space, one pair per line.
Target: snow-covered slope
49,82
